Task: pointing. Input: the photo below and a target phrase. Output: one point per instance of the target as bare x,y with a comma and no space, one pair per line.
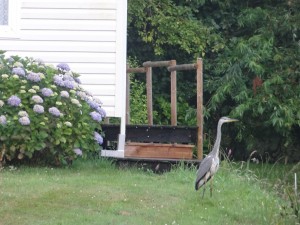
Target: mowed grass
96,192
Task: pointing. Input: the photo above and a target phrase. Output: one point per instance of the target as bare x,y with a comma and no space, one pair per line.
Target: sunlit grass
95,192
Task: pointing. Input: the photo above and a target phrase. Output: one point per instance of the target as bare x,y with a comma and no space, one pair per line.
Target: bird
210,164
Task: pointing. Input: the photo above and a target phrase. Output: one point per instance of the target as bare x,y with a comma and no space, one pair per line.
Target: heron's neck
216,147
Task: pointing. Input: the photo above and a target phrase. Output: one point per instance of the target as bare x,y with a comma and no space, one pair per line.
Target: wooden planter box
157,150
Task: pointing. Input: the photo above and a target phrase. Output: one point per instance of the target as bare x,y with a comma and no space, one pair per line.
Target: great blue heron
210,164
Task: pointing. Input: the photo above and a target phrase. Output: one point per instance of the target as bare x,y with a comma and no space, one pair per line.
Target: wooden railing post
200,108
173,94
127,95
149,95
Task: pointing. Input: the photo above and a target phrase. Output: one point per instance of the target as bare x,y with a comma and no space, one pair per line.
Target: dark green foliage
251,64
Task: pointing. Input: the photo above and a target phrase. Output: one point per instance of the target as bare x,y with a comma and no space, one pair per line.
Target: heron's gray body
210,164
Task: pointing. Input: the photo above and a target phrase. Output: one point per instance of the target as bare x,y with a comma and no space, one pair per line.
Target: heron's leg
211,186
204,187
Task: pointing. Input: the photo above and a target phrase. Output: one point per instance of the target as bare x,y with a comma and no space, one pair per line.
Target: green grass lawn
95,192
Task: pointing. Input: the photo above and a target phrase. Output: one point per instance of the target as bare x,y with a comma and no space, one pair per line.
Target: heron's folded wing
204,167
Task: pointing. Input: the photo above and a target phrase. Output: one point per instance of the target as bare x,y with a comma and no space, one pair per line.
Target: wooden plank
110,110
91,68
58,46
62,35
105,79
68,14
70,57
101,90
83,25
158,134
146,150
69,4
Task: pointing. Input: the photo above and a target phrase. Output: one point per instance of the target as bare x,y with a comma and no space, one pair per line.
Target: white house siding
82,33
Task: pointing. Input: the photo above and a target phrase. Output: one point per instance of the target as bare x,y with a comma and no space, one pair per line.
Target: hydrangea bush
45,115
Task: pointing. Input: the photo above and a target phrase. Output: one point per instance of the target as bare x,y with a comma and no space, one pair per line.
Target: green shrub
45,116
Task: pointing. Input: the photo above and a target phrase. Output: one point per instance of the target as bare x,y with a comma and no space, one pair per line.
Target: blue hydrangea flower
98,138
68,77
37,99
78,151
3,120
24,121
47,92
38,109
77,80
64,94
69,84
101,111
18,71
63,66
93,104
23,113
96,116
10,60
54,111
81,94
34,77
58,80
14,101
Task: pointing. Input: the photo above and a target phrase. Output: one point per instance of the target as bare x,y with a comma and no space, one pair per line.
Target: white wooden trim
121,59
70,4
56,24
113,153
121,69
56,35
59,46
67,14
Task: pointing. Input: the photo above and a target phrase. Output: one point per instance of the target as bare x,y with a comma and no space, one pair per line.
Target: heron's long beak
233,120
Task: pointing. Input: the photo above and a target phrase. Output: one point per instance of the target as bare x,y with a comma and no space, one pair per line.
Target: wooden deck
156,148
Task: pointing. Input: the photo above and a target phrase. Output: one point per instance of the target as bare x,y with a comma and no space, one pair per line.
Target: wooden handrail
157,63
172,67
182,67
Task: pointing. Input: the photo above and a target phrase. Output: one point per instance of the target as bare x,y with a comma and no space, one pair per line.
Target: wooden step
158,150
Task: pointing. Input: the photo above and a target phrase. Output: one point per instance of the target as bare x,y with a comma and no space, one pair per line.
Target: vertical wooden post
200,108
127,96
173,95
149,95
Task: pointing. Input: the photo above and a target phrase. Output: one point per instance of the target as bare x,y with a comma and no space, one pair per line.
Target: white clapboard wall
89,35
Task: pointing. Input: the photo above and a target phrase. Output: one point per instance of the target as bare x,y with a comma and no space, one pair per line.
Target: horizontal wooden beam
156,133
136,70
157,63
182,67
156,150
